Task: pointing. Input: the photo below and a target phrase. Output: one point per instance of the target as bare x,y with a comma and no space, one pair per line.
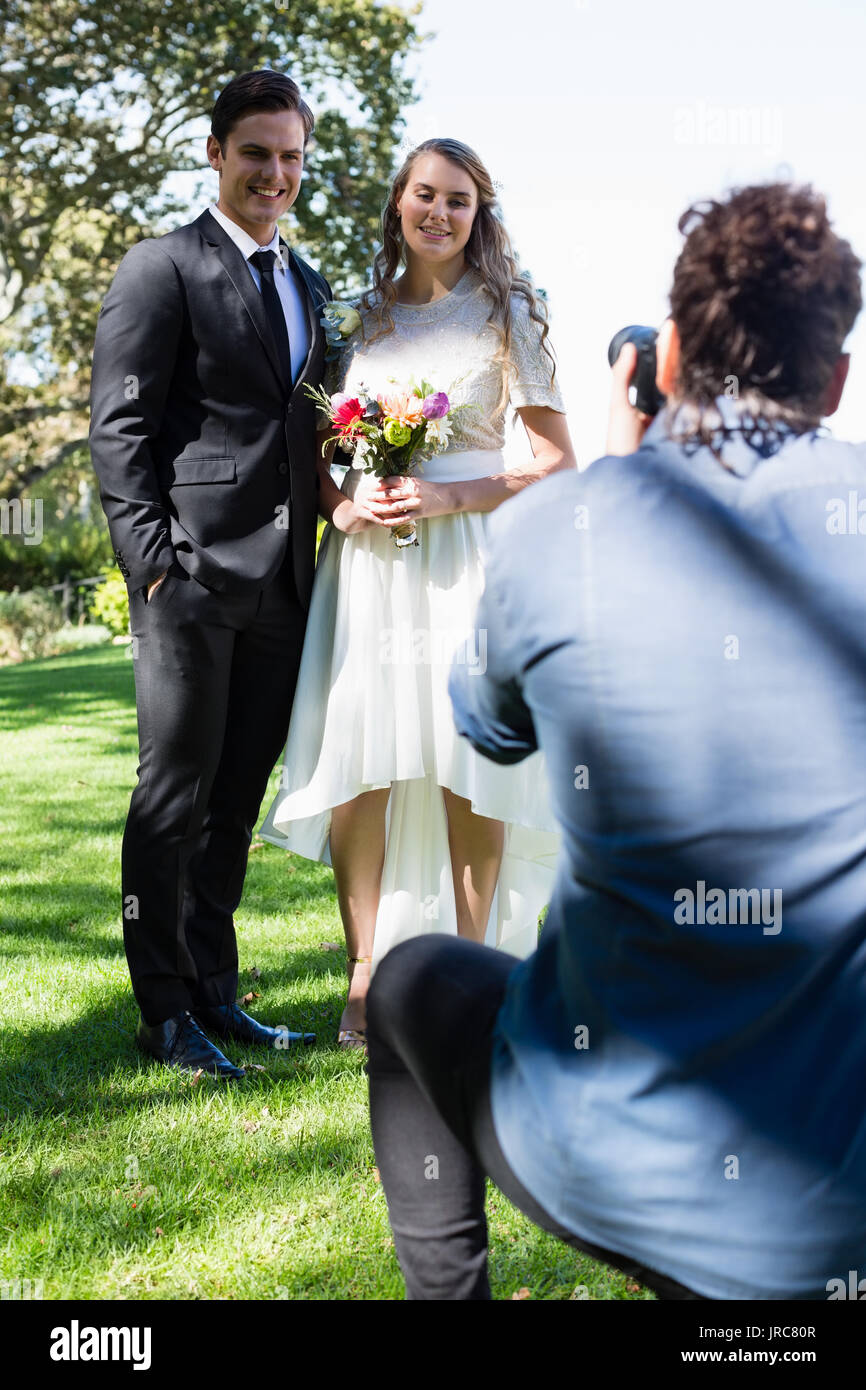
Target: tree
105,101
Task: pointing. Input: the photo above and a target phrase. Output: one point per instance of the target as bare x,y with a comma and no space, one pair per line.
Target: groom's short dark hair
258,91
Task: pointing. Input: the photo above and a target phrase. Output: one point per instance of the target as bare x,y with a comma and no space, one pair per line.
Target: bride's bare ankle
358,972
354,1013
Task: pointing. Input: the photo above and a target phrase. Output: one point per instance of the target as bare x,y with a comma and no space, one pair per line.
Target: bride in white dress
422,832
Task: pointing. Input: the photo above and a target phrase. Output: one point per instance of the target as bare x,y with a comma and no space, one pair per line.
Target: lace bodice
450,344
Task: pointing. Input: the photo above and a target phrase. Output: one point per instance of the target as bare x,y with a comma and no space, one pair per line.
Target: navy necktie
264,264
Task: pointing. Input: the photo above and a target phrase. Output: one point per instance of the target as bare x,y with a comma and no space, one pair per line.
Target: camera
648,398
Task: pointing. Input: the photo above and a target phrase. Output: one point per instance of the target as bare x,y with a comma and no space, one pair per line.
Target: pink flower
435,406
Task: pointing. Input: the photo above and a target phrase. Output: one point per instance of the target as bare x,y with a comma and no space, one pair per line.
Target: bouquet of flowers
390,433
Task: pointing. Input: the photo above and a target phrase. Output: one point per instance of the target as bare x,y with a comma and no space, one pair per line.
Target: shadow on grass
93,1064
68,686
72,940
72,1067
283,880
55,825
36,913
309,962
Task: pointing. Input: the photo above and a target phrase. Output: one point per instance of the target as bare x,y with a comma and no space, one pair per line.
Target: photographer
675,1082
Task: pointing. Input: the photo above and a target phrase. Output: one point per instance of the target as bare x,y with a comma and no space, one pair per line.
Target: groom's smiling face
260,167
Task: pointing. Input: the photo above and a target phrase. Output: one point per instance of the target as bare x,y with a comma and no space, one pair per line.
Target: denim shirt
679,1072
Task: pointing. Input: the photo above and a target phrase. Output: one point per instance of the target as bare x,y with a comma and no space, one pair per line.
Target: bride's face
437,208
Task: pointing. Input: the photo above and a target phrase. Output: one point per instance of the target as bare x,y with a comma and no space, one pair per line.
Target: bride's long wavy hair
488,251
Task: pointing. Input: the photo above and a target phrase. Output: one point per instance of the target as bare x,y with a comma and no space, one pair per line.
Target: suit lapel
238,273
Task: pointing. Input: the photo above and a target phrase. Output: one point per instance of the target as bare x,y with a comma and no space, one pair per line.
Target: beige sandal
353,1037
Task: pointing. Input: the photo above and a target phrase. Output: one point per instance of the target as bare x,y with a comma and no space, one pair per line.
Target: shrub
75,539
28,622
72,639
110,604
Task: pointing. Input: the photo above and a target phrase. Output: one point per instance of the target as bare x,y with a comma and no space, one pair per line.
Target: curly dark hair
764,294
488,250
263,90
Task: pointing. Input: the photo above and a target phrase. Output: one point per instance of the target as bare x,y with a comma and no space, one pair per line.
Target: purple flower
435,406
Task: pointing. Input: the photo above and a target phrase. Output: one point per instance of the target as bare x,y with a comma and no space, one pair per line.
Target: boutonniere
339,321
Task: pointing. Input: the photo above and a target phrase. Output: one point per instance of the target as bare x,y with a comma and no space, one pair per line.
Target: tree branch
26,414
40,470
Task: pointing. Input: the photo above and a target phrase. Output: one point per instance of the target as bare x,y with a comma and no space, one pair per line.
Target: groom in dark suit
203,439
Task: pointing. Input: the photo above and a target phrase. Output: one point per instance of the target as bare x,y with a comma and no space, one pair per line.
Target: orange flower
403,406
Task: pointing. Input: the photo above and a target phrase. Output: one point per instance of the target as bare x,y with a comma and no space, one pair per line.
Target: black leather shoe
228,1021
180,1043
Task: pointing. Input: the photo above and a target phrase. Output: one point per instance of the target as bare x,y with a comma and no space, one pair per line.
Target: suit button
282,468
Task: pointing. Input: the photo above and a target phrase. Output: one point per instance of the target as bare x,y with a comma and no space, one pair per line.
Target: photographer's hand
625,425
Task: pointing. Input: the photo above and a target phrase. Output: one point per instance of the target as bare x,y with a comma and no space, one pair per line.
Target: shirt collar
736,451
244,242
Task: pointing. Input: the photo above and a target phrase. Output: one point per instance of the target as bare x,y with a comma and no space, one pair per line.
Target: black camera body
648,399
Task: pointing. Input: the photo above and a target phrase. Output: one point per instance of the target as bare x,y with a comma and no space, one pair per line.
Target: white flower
362,449
438,432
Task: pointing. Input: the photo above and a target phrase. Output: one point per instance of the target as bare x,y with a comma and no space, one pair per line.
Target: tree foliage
105,103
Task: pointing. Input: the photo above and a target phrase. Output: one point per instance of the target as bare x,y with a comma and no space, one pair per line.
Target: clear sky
604,119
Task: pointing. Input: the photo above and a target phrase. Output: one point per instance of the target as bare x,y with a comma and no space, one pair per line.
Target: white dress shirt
290,293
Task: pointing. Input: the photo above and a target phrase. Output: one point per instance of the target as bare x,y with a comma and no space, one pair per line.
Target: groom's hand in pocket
152,588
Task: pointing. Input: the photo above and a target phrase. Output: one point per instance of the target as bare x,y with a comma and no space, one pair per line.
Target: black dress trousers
215,676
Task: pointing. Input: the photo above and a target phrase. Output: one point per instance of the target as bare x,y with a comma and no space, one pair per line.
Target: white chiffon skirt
372,711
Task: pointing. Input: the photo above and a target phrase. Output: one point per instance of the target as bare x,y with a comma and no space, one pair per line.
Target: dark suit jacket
203,454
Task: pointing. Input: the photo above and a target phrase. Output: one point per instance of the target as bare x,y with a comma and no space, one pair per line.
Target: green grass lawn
119,1180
